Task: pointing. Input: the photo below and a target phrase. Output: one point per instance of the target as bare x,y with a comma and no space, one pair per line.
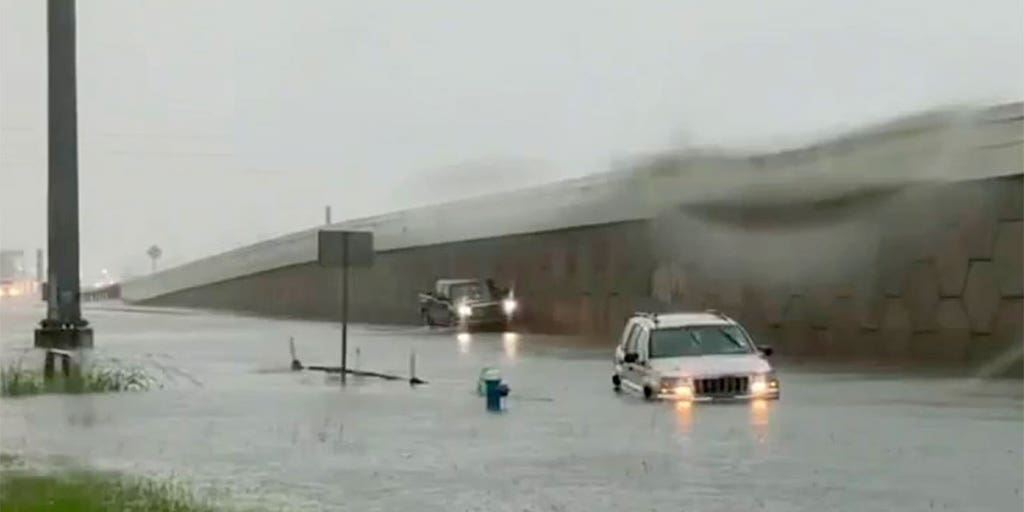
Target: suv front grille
721,386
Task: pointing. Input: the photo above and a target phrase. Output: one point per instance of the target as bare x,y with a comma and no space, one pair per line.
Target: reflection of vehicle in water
692,357
14,287
467,302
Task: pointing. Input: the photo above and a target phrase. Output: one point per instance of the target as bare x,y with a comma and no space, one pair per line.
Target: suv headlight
465,310
509,305
678,386
763,383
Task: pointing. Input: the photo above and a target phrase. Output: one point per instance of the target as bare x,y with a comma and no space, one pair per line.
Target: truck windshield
699,340
470,291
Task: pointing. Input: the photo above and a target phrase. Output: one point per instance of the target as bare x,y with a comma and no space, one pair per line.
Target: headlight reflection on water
760,412
510,342
759,416
684,413
465,340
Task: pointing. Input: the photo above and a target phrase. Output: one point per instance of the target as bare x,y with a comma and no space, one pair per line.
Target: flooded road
231,418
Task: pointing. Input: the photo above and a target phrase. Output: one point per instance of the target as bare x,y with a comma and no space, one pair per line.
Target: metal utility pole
64,326
344,312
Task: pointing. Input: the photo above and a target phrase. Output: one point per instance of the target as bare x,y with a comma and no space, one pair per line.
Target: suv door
643,369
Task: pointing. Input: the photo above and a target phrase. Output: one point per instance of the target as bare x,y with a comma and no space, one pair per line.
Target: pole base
72,338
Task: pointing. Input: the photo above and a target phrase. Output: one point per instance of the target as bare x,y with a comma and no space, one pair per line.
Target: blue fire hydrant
491,387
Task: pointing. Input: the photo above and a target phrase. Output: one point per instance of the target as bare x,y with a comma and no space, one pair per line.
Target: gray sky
207,124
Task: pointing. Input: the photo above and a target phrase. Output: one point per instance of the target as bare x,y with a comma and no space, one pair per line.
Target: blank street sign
332,245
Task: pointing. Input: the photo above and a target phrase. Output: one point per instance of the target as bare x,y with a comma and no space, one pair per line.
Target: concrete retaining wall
890,281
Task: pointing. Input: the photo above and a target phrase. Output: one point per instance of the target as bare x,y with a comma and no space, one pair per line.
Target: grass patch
18,381
81,491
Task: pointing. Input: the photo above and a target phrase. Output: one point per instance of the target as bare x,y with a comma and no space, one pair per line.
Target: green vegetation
18,381
22,491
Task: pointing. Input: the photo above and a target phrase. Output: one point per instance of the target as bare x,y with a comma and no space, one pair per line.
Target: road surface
235,422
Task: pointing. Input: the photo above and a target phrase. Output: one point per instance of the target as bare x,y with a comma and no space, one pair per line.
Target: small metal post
344,310
327,215
48,366
296,364
412,366
65,365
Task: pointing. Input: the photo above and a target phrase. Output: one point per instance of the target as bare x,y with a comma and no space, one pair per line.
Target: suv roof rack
647,314
718,313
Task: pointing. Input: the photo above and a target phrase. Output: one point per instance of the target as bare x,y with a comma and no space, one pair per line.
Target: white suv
692,356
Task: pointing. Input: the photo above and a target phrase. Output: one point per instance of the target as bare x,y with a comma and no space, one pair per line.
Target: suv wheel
616,383
648,393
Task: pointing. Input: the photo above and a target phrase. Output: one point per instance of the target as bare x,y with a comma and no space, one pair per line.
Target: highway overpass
899,242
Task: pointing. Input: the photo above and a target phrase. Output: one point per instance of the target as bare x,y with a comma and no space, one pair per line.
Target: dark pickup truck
468,303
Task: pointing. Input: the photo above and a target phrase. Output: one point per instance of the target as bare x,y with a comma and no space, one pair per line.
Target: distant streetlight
154,254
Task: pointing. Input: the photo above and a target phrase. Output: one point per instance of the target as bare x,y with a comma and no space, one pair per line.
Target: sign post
343,249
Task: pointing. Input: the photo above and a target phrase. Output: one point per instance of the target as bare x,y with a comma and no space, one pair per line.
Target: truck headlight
509,305
465,311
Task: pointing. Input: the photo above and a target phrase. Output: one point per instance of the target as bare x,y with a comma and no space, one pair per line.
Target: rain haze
584,255
208,125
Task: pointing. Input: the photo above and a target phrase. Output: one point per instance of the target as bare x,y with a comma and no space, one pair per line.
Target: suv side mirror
631,357
766,350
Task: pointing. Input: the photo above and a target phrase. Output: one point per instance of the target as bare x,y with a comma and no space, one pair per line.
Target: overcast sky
207,124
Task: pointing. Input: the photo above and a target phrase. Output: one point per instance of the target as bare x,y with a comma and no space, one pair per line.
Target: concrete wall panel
896,329
893,272
1007,258
797,338
977,230
999,353
951,262
870,306
844,327
981,296
922,296
1009,318
951,339
1009,193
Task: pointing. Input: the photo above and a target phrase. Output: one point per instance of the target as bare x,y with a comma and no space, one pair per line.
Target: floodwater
235,422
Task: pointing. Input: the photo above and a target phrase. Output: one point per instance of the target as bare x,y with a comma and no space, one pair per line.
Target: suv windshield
470,291
699,340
